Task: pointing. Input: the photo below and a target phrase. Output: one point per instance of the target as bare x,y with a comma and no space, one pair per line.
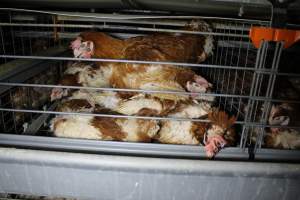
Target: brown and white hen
156,47
214,135
100,128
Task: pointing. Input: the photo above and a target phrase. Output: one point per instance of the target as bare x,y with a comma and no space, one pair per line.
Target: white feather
75,126
193,110
134,127
209,45
106,99
134,105
77,67
288,138
89,76
177,132
111,101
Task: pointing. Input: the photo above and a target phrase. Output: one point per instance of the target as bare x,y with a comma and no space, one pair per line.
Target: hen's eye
227,132
88,49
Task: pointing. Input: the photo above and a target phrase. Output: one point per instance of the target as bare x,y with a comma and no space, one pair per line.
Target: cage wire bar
237,70
270,89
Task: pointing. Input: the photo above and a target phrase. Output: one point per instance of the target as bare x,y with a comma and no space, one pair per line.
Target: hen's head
58,93
82,49
199,85
198,25
208,43
220,133
279,115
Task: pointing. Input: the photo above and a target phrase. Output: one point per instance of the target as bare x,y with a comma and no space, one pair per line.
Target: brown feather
70,80
74,104
183,76
269,141
165,47
168,106
126,95
220,118
155,47
145,126
57,122
198,130
101,42
147,112
109,128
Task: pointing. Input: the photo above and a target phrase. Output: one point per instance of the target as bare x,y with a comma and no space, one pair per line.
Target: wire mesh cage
35,54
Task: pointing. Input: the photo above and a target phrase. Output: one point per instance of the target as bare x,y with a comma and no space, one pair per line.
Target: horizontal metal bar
148,91
67,35
127,148
142,149
250,124
134,16
72,35
278,155
102,115
288,74
156,22
125,28
121,90
131,61
262,70
152,166
88,176
267,71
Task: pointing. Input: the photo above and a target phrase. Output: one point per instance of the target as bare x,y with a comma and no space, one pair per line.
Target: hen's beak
213,145
76,43
57,93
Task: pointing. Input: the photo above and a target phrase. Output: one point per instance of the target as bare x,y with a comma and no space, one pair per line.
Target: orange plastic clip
257,34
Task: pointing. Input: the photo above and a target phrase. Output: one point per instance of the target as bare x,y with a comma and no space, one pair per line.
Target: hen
156,47
100,128
282,138
139,104
214,135
81,74
32,97
283,115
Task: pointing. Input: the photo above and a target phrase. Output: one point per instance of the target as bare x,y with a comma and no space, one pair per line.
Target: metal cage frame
23,28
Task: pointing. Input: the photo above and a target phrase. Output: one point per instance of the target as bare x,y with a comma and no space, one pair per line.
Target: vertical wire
231,64
220,63
2,115
229,71
22,43
3,44
249,106
258,78
270,89
215,62
12,35
243,79
13,113
235,74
